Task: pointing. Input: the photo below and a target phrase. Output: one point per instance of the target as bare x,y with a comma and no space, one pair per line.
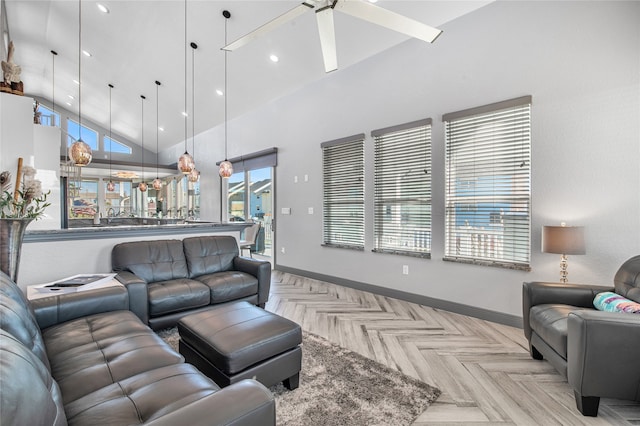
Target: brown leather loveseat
168,279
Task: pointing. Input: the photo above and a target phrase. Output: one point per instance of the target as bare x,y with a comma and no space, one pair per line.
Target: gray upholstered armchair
597,351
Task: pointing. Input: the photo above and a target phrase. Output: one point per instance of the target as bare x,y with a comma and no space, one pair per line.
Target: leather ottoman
241,341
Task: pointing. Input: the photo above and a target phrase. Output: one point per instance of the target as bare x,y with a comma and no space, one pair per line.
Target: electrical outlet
282,250
310,210
405,269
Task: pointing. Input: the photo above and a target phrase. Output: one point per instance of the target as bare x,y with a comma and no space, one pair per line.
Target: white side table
39,291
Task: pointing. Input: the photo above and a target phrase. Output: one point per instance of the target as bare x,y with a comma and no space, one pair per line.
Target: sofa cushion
230,285
210,254
550,323
612,302
17,318
142,398
95,351
29,395
160,260
166,297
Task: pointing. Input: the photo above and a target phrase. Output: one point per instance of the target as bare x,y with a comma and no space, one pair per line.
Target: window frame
402,179
488,149
343,206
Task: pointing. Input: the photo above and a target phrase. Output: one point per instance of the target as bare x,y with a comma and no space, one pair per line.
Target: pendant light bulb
185,163
193,176
80,153
111,186
142,186
226,169
157,184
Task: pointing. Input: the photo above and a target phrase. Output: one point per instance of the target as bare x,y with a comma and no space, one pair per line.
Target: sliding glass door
250,198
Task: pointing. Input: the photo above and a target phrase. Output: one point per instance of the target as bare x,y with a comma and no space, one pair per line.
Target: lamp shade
80,153
563,239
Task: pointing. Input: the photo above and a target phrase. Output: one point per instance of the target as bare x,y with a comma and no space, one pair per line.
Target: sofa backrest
29,396
17,318
627,279
158,260
210,254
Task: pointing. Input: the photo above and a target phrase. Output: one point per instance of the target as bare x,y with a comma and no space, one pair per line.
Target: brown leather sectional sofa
85,359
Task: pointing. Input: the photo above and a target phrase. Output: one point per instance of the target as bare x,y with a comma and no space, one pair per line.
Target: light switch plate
310,210
286,210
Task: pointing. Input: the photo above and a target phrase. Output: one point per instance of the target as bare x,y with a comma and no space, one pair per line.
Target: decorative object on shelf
157,183
80,151
194,174
185,162
226,168
110,186
11,73
142,186
563,240
37,115
17,210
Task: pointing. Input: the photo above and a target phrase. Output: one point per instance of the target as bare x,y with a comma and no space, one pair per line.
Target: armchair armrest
65,307
602,352
138,297
244,403
541,293
261,269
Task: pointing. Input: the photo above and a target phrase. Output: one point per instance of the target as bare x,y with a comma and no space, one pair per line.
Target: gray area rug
341,387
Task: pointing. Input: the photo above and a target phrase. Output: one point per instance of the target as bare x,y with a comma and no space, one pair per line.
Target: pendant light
110,186
142,186
226,168
79,151
185,162
157,183
194,174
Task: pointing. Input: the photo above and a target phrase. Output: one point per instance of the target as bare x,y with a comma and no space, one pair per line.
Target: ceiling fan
324,17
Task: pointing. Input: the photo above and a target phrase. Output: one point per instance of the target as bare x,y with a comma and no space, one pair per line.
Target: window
118,201
343,199
402,206
83,198
89,136
112,145
488,184
48,117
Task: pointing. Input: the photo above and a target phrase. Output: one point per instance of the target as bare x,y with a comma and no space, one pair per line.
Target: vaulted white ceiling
141,41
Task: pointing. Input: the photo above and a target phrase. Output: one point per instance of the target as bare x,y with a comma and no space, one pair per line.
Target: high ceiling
141,41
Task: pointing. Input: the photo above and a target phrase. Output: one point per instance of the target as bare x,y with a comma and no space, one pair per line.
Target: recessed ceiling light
76,81
68,103
274,58
70,96
161,129
373,1
185,114
219,92
86,53
102,8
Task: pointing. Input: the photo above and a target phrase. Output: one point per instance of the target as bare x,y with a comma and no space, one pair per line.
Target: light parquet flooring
483,369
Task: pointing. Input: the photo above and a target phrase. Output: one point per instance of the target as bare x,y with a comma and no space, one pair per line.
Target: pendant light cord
193,97
142,97
53,84
157,123
79,70
226,95
186,117
110,140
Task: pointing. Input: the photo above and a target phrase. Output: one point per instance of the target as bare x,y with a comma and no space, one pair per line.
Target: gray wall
581,63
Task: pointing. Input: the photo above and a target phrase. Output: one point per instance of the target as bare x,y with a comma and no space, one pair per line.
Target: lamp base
563,269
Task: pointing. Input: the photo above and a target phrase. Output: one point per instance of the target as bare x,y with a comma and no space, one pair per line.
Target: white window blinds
343,185
402,211
488,184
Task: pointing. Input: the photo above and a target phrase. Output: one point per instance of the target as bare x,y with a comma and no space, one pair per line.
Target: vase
11,235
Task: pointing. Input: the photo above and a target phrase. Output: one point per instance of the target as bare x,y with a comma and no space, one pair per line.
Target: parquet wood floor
483,369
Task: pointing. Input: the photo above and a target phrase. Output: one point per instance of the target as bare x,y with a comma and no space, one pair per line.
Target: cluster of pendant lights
80,152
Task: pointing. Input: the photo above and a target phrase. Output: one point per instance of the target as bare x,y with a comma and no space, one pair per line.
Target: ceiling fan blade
388,19
324,17
274,23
